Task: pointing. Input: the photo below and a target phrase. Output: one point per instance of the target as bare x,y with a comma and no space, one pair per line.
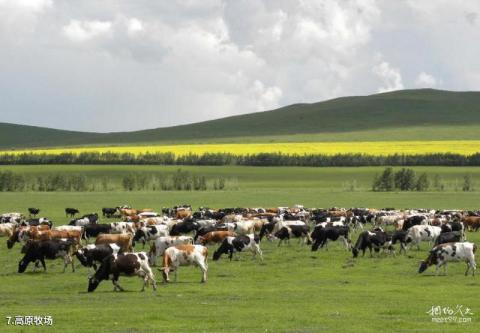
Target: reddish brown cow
471,222
214,237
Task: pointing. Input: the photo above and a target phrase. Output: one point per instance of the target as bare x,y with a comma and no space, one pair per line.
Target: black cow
239,244
449,237
49,249
321,235
92,217
92,230
293,231
33,211
109,212
375,239
412,220
400,236
71,212
91,254
184,227
454,226
128,264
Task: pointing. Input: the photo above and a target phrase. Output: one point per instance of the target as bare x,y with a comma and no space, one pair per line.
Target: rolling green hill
424,114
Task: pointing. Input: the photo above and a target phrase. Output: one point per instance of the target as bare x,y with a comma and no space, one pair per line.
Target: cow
400,236
124,241
419,233
275,225
441,254
7,229
293,231
149,233
92,254
82,221
42,235
71,212
160,244
184,255
69,228
214,237
184,227
109,212
128,264
376,239
320,236
449,237
16,237
49,249
205,230
93,230
122,227
33,211
454,226
37,221
238,244
413,220
472,223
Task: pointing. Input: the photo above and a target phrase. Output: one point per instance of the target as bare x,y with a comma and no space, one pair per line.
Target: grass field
293,290
465,147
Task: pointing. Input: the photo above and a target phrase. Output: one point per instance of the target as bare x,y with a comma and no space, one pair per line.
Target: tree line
178,181
406,179
260,159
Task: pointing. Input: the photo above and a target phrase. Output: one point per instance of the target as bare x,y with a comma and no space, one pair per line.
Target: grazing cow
160,244
184,255
320,236
401,237
419,233
81,222
449,237
214,237
33,211
275,225
108,212
124,241
443,253
293,231
16,237
472,223
7,229
49,249
122,227
91,254
413,220
128,264
238,244
184,227
71,212
93,230
376,239
149,233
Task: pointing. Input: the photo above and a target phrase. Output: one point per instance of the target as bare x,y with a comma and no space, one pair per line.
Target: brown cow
471,222
74,235
214,237
15,237
183,214
124,241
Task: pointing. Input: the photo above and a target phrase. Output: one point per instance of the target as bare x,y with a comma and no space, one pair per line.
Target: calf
376,239
91,254
238,244
320,236
184,255
214,237
443,253
128,264
124,241
49,249
293,231
449,237
160,244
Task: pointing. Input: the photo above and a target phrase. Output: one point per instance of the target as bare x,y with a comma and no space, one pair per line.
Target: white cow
160,244
441,254
419,233
184,255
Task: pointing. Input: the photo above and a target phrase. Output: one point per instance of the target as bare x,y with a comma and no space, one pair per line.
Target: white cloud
80,31
134,26
390,77
425,80
27,5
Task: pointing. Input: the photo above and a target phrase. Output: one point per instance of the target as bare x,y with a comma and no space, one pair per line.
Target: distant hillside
403,115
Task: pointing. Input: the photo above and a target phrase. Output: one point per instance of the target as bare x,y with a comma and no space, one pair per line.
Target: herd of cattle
180,236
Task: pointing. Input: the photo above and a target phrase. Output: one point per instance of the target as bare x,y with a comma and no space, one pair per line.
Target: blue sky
128,65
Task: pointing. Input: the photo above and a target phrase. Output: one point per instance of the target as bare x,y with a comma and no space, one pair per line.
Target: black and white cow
293,231
150,232
413,220
449,237
184,227
37,221
321,235
239,244
443,253
93,230
454,226
48,249
92,254
376,239
127,264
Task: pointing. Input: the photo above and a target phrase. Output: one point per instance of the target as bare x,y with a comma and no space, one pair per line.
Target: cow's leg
445,268
175,272
203,268
115,283
280,242
42,260
468,268
259,251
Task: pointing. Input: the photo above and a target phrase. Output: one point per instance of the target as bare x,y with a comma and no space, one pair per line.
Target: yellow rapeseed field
464,147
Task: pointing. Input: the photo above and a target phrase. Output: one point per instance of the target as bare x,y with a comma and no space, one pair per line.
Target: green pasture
293,290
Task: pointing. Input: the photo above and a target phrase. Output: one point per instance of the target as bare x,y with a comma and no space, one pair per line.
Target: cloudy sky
126,65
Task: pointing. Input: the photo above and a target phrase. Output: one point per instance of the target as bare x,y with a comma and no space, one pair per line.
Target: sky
127,65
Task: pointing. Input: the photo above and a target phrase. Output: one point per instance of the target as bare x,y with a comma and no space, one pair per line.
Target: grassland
293,290
405,115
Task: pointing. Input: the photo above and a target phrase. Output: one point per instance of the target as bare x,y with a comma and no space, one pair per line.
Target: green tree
422,183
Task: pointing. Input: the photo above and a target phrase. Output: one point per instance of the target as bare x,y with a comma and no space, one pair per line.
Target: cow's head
139,236
355,252
93,283
81,255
